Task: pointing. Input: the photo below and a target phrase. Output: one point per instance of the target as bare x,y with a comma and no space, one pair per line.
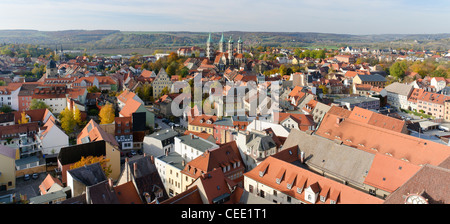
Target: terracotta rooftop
296,177
377,139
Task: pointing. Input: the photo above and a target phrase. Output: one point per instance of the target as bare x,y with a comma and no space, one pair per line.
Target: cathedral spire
209,39
222,40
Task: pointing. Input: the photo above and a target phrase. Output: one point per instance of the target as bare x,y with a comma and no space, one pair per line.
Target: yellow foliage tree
107,114
67,120
94,159
77,116
23,118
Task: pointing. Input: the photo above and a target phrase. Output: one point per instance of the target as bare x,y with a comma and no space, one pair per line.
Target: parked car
171,124
133,152
140,152
129,155
26,177
35,176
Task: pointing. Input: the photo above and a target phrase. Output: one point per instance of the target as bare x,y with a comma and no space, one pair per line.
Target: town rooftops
428,186
297,179
375,139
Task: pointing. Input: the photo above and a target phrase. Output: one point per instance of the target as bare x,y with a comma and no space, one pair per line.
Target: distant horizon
243,31
352,17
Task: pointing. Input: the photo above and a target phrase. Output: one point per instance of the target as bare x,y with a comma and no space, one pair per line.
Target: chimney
339,120
152,158
135,169
192,136
302,157
110,183
183,163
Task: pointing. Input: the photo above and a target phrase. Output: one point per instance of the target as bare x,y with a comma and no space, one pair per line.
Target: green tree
37,104
398,69
6,109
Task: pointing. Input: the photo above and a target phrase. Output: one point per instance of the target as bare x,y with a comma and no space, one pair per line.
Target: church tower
209,49
222,44
51,69
230,51
239,46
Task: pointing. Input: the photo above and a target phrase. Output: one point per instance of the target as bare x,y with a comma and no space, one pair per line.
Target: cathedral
225,57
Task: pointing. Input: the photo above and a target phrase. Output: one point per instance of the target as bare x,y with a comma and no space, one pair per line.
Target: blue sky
324,16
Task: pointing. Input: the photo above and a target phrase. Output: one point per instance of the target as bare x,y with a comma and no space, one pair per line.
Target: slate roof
101,193
196,142
372,78
164,134
147,178
89,175
331,156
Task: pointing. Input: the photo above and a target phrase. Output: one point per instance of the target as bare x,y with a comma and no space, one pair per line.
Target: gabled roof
88,175
216,187
146,178
101,193
226,155
130,107
93,132
48,182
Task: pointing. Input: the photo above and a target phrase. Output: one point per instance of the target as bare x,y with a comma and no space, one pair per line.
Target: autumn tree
93,89
164,91
94,159
67,119
23,118
107,114
77,116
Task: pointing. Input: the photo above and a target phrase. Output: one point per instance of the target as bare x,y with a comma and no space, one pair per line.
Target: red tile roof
272,166
375,139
